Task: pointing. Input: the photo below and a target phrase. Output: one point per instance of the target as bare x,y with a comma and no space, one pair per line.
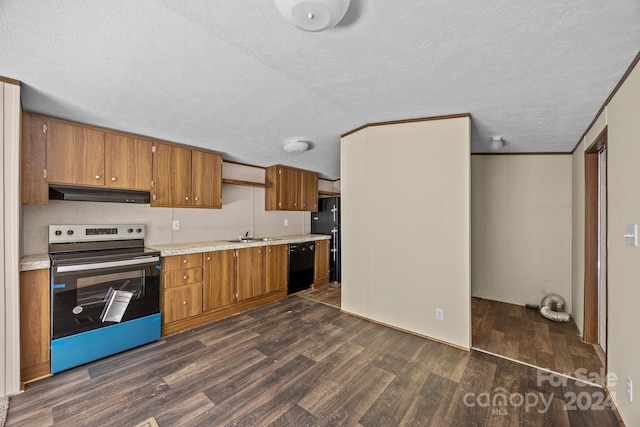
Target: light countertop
221,245
39,261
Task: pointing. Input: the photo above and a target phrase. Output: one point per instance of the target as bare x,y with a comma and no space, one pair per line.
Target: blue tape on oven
58,286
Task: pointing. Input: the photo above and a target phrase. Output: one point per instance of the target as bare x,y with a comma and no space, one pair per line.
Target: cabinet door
34,324
321,264
75,154
171,176
206,179
181,303
33,184
250,272
219,279
308,191
276,268
288,182
128,162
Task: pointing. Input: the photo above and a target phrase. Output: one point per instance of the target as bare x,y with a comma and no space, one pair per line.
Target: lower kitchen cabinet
321,263
276,268
251,281
198,288
182,302
218,288
34,324
182,287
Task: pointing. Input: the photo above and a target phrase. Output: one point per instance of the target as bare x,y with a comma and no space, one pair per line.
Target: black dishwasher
301,263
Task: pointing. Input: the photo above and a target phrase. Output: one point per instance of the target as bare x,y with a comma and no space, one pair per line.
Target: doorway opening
595,283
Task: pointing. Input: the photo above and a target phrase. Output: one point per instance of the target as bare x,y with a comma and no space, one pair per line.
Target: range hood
90,194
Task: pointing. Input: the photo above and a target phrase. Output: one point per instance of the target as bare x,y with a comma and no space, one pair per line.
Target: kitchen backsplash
242,210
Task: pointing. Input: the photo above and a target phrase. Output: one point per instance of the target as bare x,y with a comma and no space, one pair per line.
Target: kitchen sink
253,240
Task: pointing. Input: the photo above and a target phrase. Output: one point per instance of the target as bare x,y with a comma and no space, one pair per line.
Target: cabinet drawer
182,261
186,276
181,302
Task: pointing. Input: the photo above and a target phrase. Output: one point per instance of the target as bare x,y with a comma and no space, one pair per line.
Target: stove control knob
69,232
138,230
58,232
130,230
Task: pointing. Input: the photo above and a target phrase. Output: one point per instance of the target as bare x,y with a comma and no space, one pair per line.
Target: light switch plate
631,235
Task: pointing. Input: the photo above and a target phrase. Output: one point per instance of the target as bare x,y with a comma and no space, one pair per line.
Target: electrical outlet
630,389
439,314
176,225
286,222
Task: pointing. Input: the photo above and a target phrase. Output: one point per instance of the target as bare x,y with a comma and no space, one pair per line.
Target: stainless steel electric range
105,292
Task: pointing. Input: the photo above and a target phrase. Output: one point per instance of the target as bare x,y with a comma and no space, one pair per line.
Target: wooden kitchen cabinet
219,283
171,176
60,152
308,191
33,160
206,179
75,154
127,162
231,281
34,324
276,263
290,189
321,263
251,278
182,277
182,302
183,177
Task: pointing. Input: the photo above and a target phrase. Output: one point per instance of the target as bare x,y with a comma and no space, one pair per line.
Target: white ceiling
235,77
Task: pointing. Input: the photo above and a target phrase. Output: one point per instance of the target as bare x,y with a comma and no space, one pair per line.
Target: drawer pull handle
184,261
197,199
186,198
185,277
184,303
208,258
113,178
97,176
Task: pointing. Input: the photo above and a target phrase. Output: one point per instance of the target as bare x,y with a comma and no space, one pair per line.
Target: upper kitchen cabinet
33,160
206,179
290,189
308,191
59,152
75,154
127,162
171,176
183,177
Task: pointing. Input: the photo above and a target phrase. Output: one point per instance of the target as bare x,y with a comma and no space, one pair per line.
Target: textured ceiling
235,77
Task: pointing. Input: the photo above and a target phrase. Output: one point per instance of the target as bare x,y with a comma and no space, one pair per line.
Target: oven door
84,297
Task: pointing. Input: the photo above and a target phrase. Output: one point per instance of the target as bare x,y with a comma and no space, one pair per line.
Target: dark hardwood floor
513,331
297,362
330,294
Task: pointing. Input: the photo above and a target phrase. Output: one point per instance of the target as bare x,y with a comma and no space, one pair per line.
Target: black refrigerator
327,221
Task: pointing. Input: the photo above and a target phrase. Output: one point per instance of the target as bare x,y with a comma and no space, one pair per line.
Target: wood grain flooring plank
253,395
354,399
431,404
295,416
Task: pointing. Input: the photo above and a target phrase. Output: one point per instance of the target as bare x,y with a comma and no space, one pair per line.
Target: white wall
623,156
242,211
521,227
577,235
9,234
405,214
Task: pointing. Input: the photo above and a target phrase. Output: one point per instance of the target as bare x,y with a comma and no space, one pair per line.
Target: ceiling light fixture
496,143
296,147
313,15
